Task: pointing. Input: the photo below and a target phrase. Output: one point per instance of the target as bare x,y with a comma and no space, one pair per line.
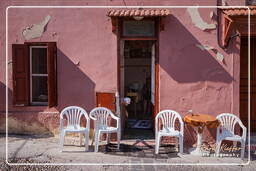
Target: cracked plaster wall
197,72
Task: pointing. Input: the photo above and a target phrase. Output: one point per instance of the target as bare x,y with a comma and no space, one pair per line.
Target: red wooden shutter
106,100
20,73
52,73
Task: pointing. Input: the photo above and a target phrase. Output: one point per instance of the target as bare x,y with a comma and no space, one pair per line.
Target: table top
201,120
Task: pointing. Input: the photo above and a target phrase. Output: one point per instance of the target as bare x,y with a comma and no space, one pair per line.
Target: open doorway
139,85
244,82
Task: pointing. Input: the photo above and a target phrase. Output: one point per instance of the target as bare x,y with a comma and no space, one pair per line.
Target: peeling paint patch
204,47
36,30
219,56
198,21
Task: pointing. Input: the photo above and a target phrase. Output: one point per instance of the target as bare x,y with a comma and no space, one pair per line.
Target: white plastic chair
102,118
73,115
166,127
227,128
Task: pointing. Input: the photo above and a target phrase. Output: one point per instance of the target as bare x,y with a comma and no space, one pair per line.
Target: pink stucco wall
189,77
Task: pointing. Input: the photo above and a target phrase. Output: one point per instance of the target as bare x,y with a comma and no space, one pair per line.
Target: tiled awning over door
138,12
239,11
130,12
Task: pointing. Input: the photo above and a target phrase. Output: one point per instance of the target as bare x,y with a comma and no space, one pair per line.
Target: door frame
245,116
156,39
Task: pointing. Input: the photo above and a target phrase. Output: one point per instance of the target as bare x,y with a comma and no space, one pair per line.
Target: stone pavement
31,149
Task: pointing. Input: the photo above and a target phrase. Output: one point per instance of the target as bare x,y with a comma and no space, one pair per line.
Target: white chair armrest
244,132
117,119
114,117
156,125
118,123
243,128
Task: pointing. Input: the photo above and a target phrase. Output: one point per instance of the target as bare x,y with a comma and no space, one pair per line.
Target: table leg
198,151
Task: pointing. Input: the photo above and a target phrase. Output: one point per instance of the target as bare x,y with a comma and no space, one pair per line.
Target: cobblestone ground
25,149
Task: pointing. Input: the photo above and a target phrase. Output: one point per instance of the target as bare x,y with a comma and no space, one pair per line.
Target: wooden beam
114,24
229,25
162,22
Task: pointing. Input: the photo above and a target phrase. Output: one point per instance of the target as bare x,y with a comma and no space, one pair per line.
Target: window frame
31,102
21,74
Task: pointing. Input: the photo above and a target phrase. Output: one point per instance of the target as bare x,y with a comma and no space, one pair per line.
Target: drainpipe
220,3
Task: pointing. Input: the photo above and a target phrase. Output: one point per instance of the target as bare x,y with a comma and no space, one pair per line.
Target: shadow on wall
185,62
74,86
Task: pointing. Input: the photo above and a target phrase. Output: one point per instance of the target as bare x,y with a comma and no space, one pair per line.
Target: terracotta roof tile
137,12
239,11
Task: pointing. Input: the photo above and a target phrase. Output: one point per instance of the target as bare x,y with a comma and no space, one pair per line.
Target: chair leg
218,144
62,139
97,139
242,148
181,144
118,139
158,138
87,140
80,137
234,143
108,138
176,142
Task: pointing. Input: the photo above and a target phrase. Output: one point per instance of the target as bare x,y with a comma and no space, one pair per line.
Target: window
38,75
138,49
34,74
143,28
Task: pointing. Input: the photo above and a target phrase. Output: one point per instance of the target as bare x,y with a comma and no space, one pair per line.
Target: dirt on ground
131,156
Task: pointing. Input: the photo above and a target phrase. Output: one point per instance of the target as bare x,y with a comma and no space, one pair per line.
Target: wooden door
244,82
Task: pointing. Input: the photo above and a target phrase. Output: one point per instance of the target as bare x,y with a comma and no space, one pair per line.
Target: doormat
140,124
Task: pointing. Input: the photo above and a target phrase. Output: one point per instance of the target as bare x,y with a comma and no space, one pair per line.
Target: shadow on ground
166,151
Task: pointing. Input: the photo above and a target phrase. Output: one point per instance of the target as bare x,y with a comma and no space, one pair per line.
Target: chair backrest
168,118
101,116
228,121
73,115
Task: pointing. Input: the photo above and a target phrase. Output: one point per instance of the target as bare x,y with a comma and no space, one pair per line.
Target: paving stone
40,150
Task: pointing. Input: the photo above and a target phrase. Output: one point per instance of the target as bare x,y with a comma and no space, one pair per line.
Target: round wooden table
199,122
